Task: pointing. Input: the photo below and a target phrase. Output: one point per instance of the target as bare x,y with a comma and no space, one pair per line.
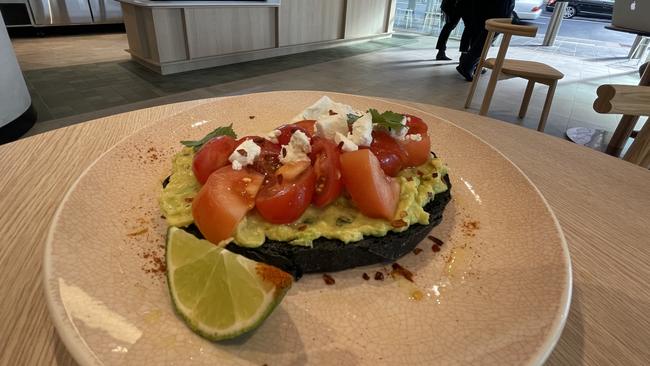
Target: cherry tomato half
417,152
269,160
390,154
307,127
284,201
416,125
327,166
211,156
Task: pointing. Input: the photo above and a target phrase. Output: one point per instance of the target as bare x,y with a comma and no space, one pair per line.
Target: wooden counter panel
224,30
366,17
307,21
140,30
170,34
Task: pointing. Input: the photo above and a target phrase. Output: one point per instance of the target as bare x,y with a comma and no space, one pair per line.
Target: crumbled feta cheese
348,145
244,154
327,126
362,131
414,137
400,134
296,149
322,108
273,136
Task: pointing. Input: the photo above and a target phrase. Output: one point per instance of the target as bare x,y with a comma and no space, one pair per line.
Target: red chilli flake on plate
329,280
365,276
401,271
379,276
436,240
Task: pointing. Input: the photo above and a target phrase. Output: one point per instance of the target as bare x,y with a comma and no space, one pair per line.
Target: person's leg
469,59
465,39
450,23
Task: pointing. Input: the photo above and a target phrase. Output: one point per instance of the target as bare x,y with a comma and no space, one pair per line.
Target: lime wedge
218,293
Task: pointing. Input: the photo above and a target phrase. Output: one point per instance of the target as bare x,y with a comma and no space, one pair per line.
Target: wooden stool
534,72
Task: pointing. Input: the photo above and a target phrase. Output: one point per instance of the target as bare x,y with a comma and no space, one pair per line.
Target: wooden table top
602,204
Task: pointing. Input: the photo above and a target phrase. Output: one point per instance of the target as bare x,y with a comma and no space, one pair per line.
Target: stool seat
526,69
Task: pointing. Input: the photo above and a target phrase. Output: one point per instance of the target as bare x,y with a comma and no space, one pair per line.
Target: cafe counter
176,36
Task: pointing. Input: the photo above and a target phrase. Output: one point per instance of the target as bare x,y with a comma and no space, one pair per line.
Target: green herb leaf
390,120
219,131
352,118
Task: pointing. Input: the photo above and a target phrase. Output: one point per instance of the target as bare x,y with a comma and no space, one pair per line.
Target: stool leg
526,101
547,106
639,152
635,46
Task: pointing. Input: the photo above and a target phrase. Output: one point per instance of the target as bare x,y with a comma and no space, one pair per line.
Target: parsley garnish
389,120
219,131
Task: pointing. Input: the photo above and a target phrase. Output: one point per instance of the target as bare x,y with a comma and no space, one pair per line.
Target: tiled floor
91,76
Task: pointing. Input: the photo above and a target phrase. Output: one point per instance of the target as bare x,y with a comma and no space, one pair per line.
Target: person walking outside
480,12
453,11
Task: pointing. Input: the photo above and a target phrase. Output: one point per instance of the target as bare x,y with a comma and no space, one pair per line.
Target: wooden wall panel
366,17
169,26
307,21
223,30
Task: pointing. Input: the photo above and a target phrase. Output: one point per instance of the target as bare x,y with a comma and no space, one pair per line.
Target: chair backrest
629,100
505,26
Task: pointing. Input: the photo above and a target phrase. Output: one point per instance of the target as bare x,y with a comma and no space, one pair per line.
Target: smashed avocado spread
339,220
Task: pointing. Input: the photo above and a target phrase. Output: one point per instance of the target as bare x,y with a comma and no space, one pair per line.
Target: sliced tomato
284,201
375,194
327,166
213,155
390,154
306,126
224,200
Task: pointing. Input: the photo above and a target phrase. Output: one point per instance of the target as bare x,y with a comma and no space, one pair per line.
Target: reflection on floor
73,79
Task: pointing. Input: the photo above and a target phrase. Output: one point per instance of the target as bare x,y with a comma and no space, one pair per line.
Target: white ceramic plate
497,293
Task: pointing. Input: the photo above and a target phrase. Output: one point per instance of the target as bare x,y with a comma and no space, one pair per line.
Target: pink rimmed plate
497,292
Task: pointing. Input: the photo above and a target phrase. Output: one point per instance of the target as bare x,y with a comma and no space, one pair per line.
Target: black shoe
442,57
464,73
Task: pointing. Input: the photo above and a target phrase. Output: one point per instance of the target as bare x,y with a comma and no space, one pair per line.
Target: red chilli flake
365,276
436,240
401,271
332,113
242,152
435,248
379,276
329,280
